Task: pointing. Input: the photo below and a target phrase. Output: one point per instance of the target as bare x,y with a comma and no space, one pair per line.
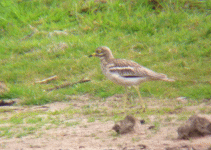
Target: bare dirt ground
98,135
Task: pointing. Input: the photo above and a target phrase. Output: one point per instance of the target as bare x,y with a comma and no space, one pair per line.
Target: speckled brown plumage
125,72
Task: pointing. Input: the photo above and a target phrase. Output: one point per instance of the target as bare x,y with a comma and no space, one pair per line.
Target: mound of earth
195,126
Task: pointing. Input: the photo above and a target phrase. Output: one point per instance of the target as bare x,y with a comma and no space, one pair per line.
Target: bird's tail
164,77
168,80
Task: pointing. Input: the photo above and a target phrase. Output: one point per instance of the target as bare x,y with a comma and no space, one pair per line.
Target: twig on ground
58,32
68,84
27,36
47,79
36,31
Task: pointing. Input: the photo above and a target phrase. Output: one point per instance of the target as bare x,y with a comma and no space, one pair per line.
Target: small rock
151,127
142,121
142,146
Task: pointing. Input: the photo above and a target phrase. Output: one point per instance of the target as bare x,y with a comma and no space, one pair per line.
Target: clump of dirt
129,125
195,126
126,125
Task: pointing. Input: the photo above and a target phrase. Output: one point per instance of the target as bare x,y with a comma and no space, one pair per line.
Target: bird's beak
93,55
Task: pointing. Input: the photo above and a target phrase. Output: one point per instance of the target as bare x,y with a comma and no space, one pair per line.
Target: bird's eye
98,51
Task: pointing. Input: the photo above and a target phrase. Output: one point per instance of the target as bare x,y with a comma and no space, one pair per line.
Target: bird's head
101,52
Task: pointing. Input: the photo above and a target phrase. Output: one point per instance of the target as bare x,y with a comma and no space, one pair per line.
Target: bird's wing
126,68
151,74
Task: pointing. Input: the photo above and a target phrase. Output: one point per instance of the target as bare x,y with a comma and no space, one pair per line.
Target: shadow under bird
126,72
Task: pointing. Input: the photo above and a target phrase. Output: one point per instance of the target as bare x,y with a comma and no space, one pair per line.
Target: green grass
91,119
173,38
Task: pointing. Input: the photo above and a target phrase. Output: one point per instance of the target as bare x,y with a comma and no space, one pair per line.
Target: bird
126,72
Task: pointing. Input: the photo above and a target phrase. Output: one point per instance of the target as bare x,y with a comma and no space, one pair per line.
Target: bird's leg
139,95
125,99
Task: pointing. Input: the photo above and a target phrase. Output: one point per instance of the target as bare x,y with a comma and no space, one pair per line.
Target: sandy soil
99,135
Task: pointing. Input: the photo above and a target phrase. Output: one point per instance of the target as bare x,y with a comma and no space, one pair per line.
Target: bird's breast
126,80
